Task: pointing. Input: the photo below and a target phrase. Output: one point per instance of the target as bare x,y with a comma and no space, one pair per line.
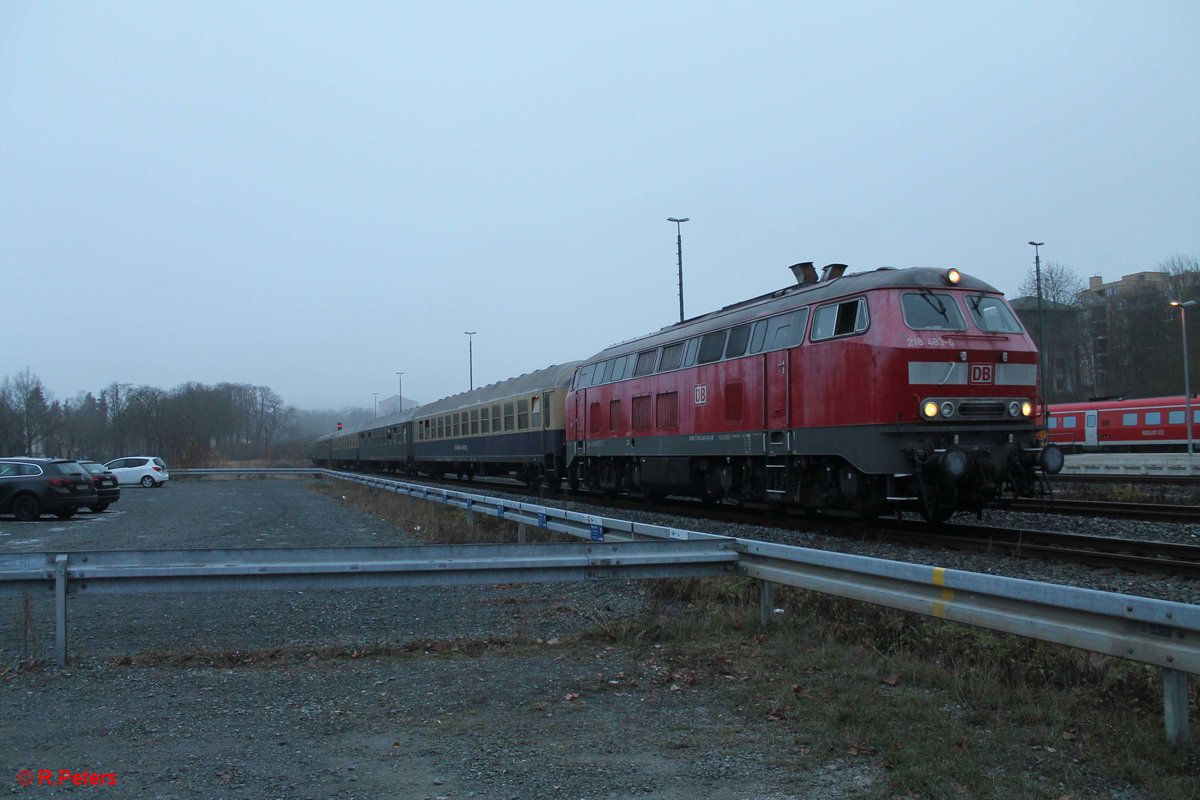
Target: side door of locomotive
1089,428
778,339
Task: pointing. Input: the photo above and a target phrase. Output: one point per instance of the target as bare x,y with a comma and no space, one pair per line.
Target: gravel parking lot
427,693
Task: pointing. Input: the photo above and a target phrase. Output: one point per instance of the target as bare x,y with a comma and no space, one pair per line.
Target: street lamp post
471,356
679,251
1043,350
1182,305
400,388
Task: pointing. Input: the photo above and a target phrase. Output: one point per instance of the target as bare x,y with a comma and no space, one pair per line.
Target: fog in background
314,196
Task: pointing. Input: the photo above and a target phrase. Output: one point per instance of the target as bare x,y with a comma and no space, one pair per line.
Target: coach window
1196,416
841,319
739,337
1154,418
672,357
522,414
689,352
535,412
712,345
1129,419
508,417
583,378
1175,417
606,375
484,422
475,422
496,425
1052,423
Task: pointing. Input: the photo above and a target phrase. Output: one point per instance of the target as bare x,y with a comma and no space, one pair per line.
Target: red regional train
870,392
1141,424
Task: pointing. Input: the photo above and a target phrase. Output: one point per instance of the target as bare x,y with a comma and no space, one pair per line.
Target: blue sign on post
597,528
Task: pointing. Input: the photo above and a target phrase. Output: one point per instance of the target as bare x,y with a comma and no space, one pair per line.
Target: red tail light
60,482
158,469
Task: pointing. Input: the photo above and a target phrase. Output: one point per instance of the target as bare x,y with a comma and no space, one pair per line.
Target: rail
1160,633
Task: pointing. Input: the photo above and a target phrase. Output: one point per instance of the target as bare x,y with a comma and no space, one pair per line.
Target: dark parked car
108,489
30,487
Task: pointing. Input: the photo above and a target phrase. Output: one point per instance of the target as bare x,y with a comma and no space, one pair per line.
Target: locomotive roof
796,296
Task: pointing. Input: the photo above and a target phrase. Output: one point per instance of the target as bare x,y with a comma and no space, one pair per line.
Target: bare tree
1184,272
1060,284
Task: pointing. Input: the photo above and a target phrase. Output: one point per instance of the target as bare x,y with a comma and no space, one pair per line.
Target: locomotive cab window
927,311
992,314
841,319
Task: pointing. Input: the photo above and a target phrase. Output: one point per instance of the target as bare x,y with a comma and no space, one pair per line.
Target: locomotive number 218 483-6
932,341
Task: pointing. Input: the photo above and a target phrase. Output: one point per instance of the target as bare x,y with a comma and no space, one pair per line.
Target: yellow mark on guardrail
939,579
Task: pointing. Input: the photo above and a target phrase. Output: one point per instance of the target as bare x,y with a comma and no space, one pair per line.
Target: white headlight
1014,409
947,409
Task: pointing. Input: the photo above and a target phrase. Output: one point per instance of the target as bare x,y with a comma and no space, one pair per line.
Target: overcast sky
314,196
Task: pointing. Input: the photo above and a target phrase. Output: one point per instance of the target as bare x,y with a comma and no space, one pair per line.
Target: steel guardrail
1161,633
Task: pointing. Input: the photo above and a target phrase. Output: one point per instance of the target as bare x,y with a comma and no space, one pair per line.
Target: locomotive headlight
953,276
947,409
930,409
1014,409
1026,409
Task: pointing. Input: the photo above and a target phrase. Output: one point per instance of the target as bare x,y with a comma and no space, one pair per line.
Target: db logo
701,394
983,373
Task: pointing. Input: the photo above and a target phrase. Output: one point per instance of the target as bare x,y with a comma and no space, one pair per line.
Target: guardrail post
60,608
766,602
471,514
1175,707
520,533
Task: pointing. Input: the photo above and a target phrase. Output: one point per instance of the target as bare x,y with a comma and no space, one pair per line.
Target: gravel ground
552,718
309,715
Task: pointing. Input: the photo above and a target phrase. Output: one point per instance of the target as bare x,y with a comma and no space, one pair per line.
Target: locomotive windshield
926,311
992,314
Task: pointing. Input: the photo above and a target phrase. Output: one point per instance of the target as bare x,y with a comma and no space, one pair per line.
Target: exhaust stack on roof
832,272
805,272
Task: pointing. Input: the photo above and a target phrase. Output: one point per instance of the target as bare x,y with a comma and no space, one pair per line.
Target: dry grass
938,710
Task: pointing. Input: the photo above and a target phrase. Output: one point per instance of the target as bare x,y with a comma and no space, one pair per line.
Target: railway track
1102,552
1156,512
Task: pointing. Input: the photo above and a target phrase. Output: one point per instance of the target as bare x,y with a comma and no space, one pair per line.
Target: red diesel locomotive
871,392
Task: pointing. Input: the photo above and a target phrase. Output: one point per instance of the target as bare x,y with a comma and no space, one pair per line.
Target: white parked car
146,470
